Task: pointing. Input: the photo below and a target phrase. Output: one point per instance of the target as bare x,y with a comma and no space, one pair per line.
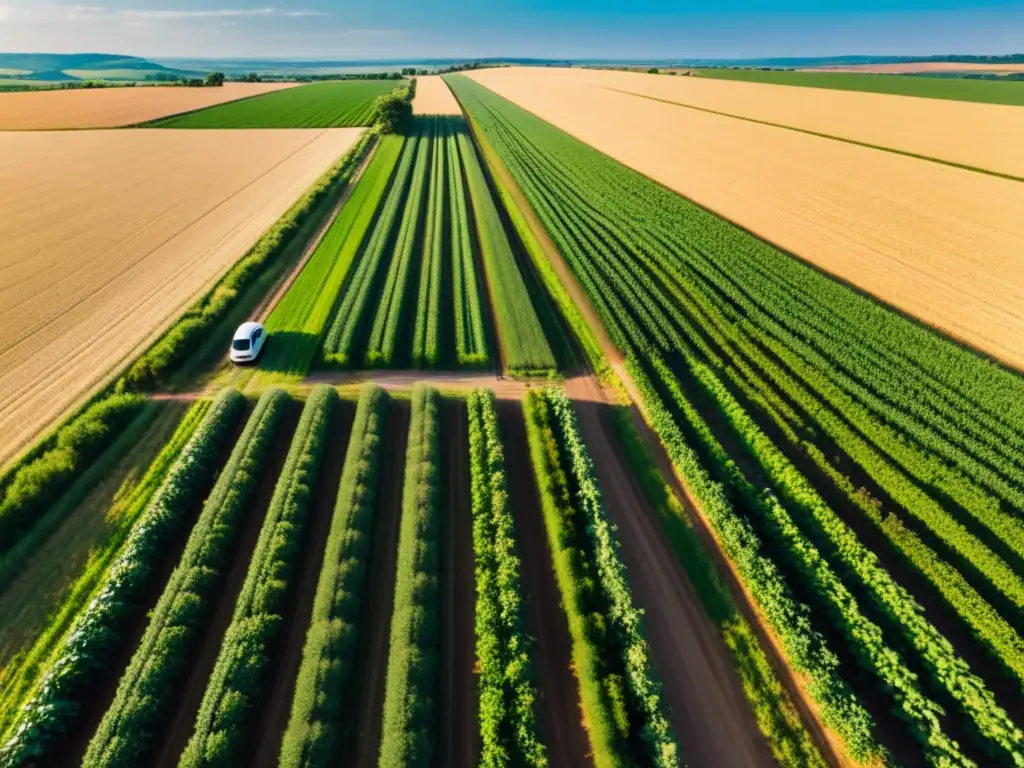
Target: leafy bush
392,112
139,709
410,698
505,688
36,485
314,727
82,657
222,725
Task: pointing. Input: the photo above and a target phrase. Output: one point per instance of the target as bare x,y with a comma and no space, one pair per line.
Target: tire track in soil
458,716
171,742
707,706
363,713
98,700
557,692
276,701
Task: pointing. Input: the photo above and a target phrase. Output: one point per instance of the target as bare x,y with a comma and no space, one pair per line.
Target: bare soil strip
458,744
168,745
363,715
77,738
558,696
938,243
433,97
113,107
708,708
265,744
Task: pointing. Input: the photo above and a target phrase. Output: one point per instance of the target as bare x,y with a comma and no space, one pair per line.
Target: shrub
392,112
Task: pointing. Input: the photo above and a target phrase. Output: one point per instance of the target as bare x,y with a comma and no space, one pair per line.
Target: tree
392,111
214,80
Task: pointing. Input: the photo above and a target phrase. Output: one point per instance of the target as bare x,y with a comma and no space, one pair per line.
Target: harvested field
147,220
909,67
939,243
113,107
433,97
982,136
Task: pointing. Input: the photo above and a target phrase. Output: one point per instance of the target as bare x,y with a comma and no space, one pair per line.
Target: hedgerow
410,699
88,647
223,722
35,486
139,709
312,738
505,687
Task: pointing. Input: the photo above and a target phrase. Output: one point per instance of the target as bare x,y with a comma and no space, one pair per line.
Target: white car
248,342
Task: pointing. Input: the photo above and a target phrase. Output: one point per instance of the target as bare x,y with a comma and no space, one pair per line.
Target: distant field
320,105
114,107
981,91
118,231
940,243
433,97
924,66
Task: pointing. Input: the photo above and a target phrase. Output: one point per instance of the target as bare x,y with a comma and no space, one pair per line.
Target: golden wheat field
107,235
113,107
940,243
433,97
983,136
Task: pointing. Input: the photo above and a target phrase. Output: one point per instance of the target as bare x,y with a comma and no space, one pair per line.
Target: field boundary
818,134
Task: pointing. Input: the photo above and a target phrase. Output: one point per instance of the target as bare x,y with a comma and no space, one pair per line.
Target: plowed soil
107,235
433,97
113,107
939,243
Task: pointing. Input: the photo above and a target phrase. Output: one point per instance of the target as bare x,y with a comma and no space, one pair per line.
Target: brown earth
923,66
113,107
939,243
561,718
172,739
279,688
363,712
433,97
107,235
457,745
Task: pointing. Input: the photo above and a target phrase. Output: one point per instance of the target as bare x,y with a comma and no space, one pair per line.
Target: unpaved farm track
363,715
457,745
557,693
265,742
168,745
708,708
113,107
107,235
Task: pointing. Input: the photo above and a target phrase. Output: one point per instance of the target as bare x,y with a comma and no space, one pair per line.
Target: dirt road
708,708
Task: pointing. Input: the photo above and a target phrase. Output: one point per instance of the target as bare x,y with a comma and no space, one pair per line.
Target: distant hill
57,67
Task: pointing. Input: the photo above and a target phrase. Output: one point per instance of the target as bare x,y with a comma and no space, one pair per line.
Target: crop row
392,303
426,345
82,654
508,722
661,294
177,623
314,734
410,699
224,719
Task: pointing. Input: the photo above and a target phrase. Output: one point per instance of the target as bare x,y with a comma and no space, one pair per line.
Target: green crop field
955,89
319,105
854,465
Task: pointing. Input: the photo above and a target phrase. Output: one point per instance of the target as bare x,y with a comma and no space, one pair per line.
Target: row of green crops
524,346
223,723
767,341
298,322
313,736
21,673
426,343
139,709
505,689
37,484
409,719
393,301
625,620
80,658
318,105
604,698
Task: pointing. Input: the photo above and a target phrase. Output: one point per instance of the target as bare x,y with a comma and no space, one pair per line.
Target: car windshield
241,345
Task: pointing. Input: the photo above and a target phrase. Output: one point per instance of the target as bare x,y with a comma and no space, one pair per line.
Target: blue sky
549,28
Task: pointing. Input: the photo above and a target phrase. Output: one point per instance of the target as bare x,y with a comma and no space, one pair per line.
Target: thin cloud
219,14
304,14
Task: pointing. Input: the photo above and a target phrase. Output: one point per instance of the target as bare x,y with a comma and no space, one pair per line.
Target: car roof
245,330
